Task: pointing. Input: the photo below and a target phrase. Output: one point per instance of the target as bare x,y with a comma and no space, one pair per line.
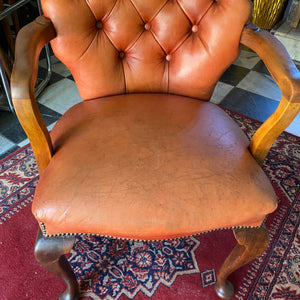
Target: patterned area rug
181,269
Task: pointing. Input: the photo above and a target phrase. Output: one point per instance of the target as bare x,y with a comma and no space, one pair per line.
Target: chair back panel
165,46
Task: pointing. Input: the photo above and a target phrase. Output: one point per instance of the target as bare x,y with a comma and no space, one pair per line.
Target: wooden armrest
286,75
29,43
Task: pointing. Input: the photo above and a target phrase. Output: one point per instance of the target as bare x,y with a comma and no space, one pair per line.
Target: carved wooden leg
251,243
49,252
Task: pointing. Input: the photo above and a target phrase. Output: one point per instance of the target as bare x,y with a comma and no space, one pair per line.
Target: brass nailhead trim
139,240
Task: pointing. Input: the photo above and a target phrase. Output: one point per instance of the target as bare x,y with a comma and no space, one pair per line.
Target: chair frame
251,242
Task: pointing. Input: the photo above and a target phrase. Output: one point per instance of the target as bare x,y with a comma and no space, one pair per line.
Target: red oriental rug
181,269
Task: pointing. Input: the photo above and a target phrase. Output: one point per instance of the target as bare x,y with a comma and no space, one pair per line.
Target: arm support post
29,44
286,75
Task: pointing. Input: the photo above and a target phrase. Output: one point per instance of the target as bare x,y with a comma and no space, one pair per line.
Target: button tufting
99,25
121,54
147,26
168,57
195,28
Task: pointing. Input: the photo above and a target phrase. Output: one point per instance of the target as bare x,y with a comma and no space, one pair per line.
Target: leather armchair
146,156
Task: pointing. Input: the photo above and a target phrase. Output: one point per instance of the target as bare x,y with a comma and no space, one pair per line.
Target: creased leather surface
150,166
124,46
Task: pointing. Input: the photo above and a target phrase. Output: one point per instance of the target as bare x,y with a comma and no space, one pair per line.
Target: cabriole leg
251,243
49,252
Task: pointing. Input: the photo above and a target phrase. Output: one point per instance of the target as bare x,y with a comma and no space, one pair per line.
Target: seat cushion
150,166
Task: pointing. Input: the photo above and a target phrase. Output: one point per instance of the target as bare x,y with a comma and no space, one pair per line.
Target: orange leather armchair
145,156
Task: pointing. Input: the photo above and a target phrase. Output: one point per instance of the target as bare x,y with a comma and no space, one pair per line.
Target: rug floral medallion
115,269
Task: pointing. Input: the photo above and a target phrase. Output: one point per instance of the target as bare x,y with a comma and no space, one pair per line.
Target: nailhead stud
195,28
168,57
147,26
99,25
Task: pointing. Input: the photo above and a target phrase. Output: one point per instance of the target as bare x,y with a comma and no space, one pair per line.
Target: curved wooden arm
29,43
286,75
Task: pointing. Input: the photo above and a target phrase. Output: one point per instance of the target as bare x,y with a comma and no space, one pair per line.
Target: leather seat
150,166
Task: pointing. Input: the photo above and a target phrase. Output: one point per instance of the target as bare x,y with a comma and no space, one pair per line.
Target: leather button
99,25
168,57
195,28
147,26
121,54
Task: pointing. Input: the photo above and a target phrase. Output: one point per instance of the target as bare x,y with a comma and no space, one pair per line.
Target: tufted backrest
127,46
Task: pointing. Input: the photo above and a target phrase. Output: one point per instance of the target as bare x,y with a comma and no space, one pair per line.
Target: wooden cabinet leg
49,252
251,243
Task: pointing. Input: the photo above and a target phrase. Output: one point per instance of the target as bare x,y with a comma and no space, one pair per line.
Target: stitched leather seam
213,2
180,43
184,38
104,20
94,38
182,8
126,51
168,77
160,10
157,41
87,1
137,10
132,43
113,7
124,76
202,41
130,46
154,15
88,47
205,45
89,5
151,21
183,11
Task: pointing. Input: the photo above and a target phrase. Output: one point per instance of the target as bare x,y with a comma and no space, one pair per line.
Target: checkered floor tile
246,87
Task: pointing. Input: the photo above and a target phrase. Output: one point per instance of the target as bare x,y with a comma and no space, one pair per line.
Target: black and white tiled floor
246,87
